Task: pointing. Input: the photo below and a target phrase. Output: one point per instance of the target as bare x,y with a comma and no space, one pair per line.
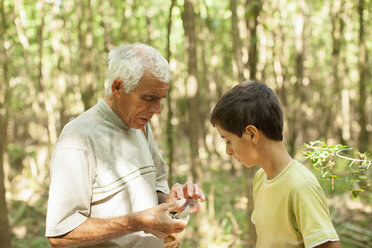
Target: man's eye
228,142
149,99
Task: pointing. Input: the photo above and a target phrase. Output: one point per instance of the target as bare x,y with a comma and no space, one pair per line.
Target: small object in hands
185,212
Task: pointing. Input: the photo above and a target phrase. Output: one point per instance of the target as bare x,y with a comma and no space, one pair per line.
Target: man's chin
140,124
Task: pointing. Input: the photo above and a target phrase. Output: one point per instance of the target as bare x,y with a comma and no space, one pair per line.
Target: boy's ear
116,86
252,133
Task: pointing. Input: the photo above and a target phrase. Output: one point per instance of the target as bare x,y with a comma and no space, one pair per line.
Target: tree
192,87
4,100
169,129
254,7
363,69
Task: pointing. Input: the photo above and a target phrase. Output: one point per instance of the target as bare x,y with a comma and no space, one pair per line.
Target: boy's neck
274,158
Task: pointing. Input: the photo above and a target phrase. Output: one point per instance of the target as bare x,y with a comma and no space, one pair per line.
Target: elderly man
108,180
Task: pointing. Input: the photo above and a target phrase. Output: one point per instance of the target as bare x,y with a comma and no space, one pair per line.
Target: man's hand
158,221
189,191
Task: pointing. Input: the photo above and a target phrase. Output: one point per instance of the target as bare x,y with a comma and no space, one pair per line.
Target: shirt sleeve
312,216
70,191
161,168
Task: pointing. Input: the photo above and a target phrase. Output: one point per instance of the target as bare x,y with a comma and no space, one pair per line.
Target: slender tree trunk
87,79
204,86
150,28
363,69
5,240
192,93
237,46
170,132
212,75
192,87
298,122
106,20
252,23
339,72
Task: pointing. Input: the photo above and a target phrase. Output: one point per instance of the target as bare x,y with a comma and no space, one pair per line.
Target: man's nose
156,107
229,151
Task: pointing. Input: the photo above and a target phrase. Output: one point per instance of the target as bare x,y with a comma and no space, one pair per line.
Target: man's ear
116,86
253,134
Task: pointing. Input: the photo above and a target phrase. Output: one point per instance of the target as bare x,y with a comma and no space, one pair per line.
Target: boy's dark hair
249,103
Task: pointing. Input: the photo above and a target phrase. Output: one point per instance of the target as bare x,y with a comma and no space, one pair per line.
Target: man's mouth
145,119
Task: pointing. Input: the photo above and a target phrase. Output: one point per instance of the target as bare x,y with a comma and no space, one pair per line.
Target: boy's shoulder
292,177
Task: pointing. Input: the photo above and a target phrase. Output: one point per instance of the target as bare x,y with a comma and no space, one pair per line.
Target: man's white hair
130,62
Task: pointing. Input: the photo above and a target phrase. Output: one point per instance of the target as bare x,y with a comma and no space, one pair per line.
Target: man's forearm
94,231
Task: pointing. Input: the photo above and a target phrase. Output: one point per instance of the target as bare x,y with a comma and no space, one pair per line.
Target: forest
316,56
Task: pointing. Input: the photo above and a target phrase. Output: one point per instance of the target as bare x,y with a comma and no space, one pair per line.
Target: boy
290,208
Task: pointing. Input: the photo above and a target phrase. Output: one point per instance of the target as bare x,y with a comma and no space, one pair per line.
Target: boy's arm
330,244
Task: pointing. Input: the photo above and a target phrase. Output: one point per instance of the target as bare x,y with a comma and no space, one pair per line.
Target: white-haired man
108,180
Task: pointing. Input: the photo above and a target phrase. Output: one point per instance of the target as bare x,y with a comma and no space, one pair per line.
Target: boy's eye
228,142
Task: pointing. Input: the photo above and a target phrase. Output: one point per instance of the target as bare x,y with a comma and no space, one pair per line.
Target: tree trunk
87,79
363,68
192,94
204,89
170,132
251,20
339,72
237,46
107,14
192,87
251,23
5,239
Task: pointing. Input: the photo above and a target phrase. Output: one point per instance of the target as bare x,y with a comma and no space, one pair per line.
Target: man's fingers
178,190
174,205
180,224
188,189
198,193
192,190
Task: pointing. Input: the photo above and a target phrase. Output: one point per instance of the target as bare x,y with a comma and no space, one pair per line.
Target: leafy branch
326,158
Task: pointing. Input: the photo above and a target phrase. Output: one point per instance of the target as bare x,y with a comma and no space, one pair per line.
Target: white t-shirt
101,168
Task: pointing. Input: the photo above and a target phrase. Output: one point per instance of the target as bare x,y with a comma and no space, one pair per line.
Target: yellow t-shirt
291,209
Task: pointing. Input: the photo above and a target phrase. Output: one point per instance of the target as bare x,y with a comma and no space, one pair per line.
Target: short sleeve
70,191
161,169
312,216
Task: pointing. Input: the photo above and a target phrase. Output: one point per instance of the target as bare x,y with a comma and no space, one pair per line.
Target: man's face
239,147
137,107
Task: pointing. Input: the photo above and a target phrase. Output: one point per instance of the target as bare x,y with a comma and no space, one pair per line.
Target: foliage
325,158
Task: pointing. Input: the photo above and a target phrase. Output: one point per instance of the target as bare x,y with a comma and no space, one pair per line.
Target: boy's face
241,148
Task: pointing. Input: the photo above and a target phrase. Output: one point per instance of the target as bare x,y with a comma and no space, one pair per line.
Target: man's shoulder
76,132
